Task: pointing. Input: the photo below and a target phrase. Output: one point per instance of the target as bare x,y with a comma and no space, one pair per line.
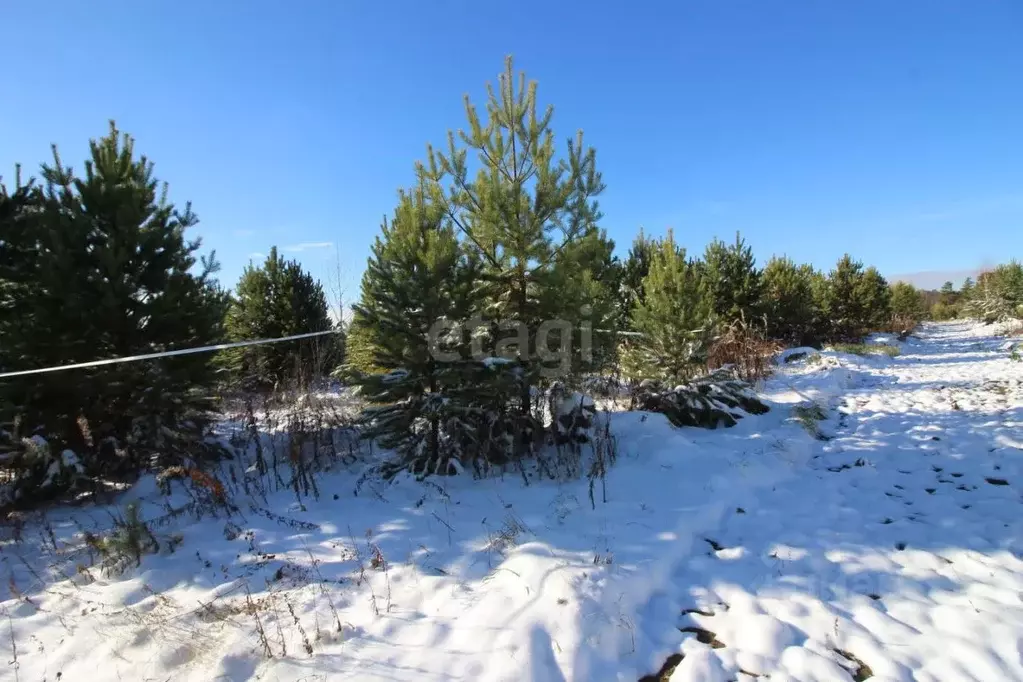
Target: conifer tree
19,209
733,280
789,303
274,299
875,296
587,276
416,290
948,294
844,304
822,328
519,213
907,303
113,275
635,268
675,317
998,293
966,290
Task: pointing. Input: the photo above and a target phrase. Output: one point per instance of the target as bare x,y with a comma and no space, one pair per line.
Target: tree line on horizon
498,225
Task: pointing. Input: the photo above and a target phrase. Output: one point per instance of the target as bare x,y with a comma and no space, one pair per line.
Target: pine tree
948,294
113,275
635,268
819,285
587,276
789,302
675,317
519,214
272,300
907,303
733,280
875,297
417,289
19,209
966,290
998,293
844,304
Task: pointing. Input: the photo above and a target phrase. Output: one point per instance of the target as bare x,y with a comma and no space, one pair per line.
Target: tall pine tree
519,214
114,275
416,292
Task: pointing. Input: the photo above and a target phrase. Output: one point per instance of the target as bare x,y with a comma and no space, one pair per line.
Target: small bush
867,349
810,416
130,540
717,399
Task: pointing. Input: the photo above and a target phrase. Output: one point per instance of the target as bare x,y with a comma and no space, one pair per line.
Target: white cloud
308,246
256,255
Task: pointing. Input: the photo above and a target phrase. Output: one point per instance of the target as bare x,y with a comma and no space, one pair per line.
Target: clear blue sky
890,129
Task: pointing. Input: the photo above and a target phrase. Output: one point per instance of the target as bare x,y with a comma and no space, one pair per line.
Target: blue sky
892,130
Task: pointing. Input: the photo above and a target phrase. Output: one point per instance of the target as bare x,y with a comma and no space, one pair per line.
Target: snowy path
896,555
891,551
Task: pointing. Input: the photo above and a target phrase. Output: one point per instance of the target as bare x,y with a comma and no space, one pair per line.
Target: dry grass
744,347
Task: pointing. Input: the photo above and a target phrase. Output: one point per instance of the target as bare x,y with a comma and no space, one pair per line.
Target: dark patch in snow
699,612
664,674
862,671
714,543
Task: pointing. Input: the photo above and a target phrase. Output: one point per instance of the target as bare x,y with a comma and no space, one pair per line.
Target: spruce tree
675,317
788,302
733,280
518,214
114,275
416,291
278,298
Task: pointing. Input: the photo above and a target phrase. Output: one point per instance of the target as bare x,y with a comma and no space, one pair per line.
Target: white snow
756,552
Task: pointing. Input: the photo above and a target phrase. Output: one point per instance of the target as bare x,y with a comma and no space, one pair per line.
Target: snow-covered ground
891,550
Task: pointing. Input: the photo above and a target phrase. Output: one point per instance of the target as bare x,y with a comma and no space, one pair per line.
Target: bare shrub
744,347
605,453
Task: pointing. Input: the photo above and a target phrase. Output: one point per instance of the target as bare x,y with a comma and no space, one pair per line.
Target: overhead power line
164,354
